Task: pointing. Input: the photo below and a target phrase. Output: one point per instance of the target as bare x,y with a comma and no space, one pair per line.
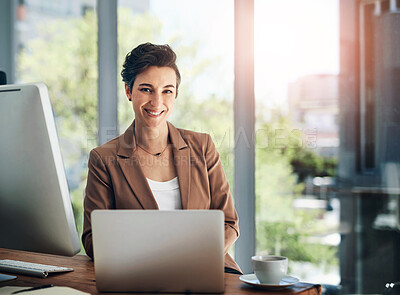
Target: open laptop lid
159,251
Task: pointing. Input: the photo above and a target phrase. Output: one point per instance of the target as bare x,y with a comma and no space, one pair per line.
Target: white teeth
153,113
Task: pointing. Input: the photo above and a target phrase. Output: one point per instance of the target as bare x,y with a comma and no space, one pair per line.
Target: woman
154,165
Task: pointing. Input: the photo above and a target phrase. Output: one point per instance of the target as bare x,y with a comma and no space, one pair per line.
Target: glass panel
369,159
57,44
297,139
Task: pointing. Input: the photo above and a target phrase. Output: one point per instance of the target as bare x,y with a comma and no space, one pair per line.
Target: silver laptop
159,251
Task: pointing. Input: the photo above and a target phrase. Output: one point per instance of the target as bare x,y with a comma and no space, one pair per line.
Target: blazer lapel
181,152
132,171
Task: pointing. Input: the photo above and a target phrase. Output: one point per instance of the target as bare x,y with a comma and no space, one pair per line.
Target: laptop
159,251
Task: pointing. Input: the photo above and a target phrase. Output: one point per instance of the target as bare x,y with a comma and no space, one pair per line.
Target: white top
167,194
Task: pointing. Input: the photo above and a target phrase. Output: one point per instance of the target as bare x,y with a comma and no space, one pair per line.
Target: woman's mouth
153,113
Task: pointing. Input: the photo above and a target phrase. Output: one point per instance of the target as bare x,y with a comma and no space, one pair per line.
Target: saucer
251,279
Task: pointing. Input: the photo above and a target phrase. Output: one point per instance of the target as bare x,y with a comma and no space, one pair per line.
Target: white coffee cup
269,269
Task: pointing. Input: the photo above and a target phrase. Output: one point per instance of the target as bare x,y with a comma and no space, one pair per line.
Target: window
297,135
57,44
369,159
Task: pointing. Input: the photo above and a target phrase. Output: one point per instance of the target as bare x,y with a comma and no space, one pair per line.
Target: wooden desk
83,277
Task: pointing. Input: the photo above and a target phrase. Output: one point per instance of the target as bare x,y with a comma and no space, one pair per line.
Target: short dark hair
146,55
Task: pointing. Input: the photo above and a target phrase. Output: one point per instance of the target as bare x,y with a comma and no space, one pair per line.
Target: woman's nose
156,100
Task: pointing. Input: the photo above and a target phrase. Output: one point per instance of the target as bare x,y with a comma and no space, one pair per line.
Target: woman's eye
167,91
145,89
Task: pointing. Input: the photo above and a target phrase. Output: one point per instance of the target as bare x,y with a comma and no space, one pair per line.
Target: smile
153,113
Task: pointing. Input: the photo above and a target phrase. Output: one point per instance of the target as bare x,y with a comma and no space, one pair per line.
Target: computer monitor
35,207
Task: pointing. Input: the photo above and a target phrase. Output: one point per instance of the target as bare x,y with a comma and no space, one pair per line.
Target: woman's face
153,96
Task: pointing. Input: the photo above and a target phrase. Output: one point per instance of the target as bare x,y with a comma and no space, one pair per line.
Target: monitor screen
35,207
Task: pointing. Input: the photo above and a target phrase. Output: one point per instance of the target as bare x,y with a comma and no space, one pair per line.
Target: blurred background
327,119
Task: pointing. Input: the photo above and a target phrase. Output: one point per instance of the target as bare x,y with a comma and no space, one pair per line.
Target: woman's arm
98,195
221,197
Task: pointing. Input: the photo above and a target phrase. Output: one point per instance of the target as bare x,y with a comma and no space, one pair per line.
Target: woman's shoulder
195,139
108,149
181,137
191,133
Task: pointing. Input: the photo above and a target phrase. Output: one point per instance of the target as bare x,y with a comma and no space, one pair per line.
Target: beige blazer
116,181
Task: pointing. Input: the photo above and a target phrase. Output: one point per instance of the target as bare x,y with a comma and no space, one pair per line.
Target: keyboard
30,269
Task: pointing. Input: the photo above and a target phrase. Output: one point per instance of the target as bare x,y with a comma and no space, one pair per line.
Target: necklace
156,154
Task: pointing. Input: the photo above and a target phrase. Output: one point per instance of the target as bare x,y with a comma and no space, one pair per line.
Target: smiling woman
154,165
153,96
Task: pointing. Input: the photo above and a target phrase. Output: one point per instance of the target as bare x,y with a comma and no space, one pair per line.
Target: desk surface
83,277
